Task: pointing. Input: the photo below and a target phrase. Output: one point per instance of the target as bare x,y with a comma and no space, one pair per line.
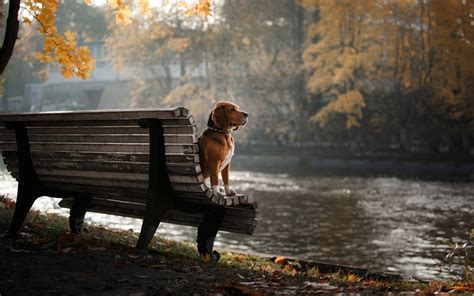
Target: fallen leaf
352,278
280,260
66,250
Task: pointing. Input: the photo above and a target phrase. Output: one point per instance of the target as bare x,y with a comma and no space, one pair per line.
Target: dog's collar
218,130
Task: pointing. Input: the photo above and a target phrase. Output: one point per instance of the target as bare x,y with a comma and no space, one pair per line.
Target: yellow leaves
202,8
116,4
57,48
143,6
70,36
42,57
349,104
122,16
290,270
122,12
77,61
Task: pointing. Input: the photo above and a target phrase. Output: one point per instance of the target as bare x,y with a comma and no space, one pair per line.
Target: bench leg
78,213
149,227
208,229
26,196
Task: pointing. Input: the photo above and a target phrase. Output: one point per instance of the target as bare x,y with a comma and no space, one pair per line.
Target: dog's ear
219,118
210,122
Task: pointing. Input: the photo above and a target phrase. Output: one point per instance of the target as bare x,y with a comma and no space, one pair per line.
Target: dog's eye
233,109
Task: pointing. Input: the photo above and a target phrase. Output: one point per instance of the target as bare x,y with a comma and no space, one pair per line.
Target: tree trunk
11,34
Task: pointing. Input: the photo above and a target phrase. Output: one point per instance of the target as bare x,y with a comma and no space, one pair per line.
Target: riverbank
339,165
46,259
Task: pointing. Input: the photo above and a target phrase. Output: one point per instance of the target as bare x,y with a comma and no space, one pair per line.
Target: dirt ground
47,260
45,271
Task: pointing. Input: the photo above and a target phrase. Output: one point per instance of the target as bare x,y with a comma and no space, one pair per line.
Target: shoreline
314,165
47,259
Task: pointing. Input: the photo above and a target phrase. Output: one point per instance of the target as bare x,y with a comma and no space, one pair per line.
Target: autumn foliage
392,73
63,48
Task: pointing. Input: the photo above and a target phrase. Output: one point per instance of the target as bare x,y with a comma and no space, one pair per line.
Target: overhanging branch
11,34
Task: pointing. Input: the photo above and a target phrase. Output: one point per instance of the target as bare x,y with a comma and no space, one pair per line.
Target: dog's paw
217,191
229,190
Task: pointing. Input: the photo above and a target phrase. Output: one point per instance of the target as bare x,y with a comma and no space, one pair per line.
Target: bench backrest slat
101,138
91,115
89,148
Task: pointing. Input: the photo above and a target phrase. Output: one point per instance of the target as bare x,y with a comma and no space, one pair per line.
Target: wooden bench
134,163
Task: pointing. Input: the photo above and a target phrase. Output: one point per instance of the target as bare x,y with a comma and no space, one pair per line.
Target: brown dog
216,144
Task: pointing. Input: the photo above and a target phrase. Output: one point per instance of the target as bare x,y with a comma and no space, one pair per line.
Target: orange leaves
202,8
143,6
350,103
280,260
123,13
78,62
57,48
352,278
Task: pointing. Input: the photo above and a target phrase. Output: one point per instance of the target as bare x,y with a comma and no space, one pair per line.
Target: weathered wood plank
102,147
109,130
111,176
113,114
125,194
226,200
115,166
91,174
119,183
189,188
101,138
101,157
110,166
137,184
6,131
230,223
111,123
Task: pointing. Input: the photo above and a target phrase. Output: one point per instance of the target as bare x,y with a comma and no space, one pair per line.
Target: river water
383,223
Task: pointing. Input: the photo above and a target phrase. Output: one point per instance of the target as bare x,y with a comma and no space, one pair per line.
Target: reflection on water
381,223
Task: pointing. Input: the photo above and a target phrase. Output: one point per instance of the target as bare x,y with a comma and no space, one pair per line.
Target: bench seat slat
112,114
138,184
188,179
101,156
101,147
110,123
101,138
115,166
232,223
125,194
